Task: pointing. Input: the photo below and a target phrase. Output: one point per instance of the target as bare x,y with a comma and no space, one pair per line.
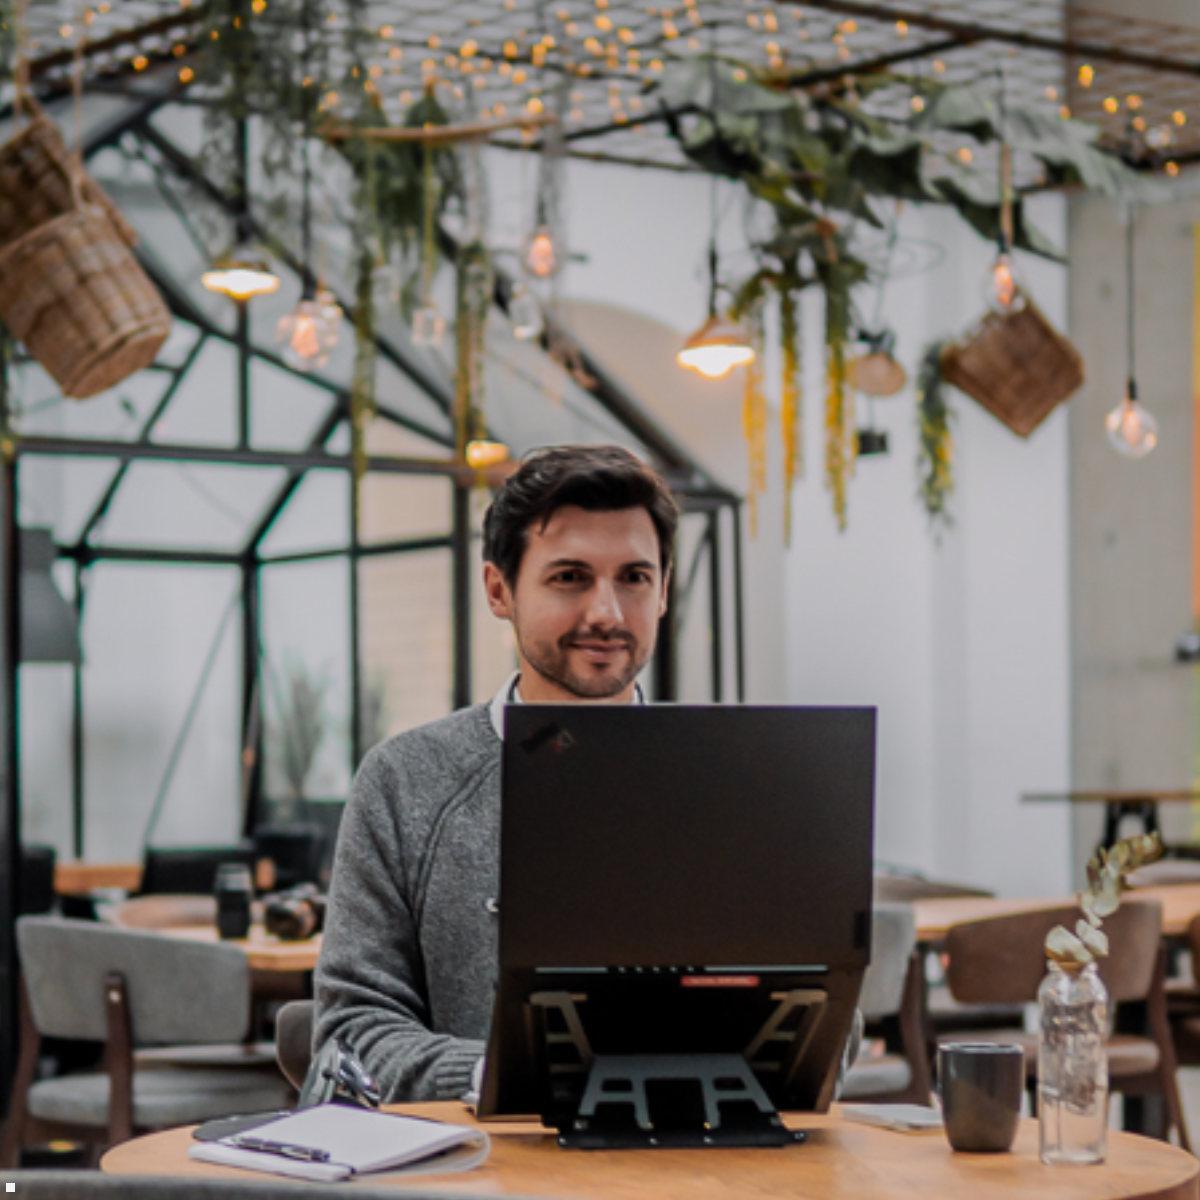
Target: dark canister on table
234,890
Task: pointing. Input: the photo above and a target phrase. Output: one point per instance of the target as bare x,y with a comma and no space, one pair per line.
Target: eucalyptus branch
1106,876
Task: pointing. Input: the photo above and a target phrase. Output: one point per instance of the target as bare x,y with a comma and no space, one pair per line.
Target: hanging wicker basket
70,288
1017,365
35,182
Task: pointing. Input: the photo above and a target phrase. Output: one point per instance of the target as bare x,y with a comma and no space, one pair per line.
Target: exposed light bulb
428,326
541,254
525,313
1132,429
309,332
1002,287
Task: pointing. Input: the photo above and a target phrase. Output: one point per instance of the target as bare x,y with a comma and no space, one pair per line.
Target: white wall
963,642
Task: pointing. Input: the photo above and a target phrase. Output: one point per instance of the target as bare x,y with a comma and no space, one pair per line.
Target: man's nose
604,608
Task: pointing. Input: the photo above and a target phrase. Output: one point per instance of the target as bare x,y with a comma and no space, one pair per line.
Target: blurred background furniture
132,990
293,1040
37,879
191,869
892,1006
1002,960
294,850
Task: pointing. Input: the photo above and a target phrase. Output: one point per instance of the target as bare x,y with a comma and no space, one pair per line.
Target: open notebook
334,1141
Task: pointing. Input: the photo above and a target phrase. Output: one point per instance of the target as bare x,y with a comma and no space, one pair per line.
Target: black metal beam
183,556
355,647
1012,35
78,830
252,698
867,66
739,641
239,456
367,550
10,749
664,667
460,600
715,607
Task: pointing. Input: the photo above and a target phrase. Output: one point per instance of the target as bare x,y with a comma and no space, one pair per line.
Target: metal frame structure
695,490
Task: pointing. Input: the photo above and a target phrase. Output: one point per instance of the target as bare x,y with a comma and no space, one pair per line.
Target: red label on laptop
720,981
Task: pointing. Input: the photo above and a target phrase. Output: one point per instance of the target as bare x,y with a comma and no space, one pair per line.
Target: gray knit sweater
408,964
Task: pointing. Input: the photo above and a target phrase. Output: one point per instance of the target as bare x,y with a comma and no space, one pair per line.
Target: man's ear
499,595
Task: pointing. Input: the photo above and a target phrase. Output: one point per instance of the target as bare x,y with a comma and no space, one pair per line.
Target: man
577,557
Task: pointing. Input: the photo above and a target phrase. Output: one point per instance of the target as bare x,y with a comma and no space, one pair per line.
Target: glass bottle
1072,1066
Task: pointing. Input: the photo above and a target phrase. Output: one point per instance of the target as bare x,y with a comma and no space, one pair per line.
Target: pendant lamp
1131,428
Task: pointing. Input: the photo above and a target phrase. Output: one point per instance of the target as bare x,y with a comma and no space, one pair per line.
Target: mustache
622,636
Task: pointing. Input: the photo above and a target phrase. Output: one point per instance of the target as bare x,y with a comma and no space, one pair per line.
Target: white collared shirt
509,694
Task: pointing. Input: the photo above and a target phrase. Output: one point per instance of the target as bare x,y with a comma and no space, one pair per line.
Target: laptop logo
551,736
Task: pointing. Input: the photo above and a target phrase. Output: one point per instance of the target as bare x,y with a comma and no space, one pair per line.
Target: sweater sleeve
370,985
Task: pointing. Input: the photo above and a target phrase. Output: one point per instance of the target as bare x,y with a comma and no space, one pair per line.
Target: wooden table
840,1160
78,877
1180,901
1140,803
263,950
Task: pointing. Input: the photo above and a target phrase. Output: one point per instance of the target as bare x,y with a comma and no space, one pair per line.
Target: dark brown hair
596,478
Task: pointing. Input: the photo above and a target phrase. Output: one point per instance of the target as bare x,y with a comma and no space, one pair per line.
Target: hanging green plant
473,295
935,454
821,163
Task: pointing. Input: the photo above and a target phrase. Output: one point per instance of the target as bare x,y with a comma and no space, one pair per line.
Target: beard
562,663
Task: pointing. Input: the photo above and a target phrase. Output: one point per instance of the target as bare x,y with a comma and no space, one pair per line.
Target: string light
1086,74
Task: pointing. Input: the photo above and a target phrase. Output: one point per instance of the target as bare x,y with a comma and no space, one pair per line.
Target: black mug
233,891
981,1085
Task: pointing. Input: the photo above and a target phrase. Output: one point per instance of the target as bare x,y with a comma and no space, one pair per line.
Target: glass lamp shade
241,274
308,334
541,253
525,313
481,454
1002,287
1132,430
715,349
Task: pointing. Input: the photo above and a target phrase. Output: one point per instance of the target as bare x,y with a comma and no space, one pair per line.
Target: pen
283,1149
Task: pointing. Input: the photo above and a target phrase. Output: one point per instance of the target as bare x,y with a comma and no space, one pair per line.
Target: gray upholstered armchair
129,989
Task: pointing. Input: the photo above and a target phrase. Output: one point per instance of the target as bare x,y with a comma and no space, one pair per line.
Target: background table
1139,803
840,1160
1180,901
263,950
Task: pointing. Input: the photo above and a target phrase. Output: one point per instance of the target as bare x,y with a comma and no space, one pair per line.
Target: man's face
586,604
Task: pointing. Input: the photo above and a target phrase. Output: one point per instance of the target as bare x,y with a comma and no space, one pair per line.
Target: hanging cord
1006,169
308,287
712,189
1131,383
889,251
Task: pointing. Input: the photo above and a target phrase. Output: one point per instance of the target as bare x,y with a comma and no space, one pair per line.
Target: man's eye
639,577
566,577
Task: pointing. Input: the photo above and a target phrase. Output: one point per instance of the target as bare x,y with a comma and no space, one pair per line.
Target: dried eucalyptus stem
1106,872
